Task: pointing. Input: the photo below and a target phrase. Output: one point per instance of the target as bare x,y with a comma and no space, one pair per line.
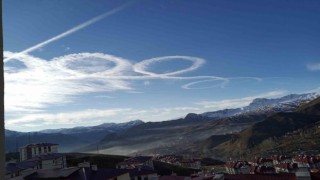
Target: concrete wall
54,163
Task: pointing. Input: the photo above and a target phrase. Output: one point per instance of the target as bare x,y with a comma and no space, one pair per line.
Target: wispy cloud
71,31
37,121
104,96
314,66
37,83
240,102
41,120
218,83
42,83
90,116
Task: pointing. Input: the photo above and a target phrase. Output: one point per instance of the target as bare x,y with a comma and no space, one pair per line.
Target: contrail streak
72,30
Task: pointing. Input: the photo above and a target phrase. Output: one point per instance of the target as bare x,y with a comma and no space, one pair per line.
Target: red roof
288,166
264,169
287,176
307,159
280,157
236,164
260,160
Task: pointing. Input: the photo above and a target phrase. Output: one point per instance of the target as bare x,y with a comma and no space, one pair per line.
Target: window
39,149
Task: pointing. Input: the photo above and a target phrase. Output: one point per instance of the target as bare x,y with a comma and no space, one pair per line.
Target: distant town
43,161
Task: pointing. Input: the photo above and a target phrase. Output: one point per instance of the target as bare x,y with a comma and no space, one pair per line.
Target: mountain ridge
197,127
263,136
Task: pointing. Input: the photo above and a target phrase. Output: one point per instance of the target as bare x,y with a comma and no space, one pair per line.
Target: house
65,173
31,150
171,159
286,167
76,173
47,161
204,176
143,173
286,176
261,161
277,159
307,161
136,162
262,170
20,169
237,167
173,177
110,174
50,161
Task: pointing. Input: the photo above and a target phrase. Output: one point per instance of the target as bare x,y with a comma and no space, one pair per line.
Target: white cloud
220,83
90,116
143,65
314,67
41,120
237,103
40,83
71,31
104,96
38,121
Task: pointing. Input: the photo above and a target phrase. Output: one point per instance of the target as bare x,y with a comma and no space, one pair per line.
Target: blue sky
80,62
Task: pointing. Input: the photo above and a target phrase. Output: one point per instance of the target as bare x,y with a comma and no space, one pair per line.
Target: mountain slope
68,138
177,133
176,136
173,135
263,135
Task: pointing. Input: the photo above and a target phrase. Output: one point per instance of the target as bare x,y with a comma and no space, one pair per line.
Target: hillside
264,136
180,136
68,138
191,134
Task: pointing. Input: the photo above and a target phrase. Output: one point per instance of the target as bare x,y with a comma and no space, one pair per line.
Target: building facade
32,150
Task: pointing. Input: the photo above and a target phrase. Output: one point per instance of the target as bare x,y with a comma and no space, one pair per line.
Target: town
43,161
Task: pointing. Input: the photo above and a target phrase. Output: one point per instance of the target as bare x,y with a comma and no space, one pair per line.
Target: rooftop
286,176
46,157
53,173
39,145
107,173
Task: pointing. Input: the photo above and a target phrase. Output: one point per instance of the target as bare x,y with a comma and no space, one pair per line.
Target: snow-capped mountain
285,103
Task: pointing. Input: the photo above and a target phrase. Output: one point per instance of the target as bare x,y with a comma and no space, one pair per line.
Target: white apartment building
32,150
